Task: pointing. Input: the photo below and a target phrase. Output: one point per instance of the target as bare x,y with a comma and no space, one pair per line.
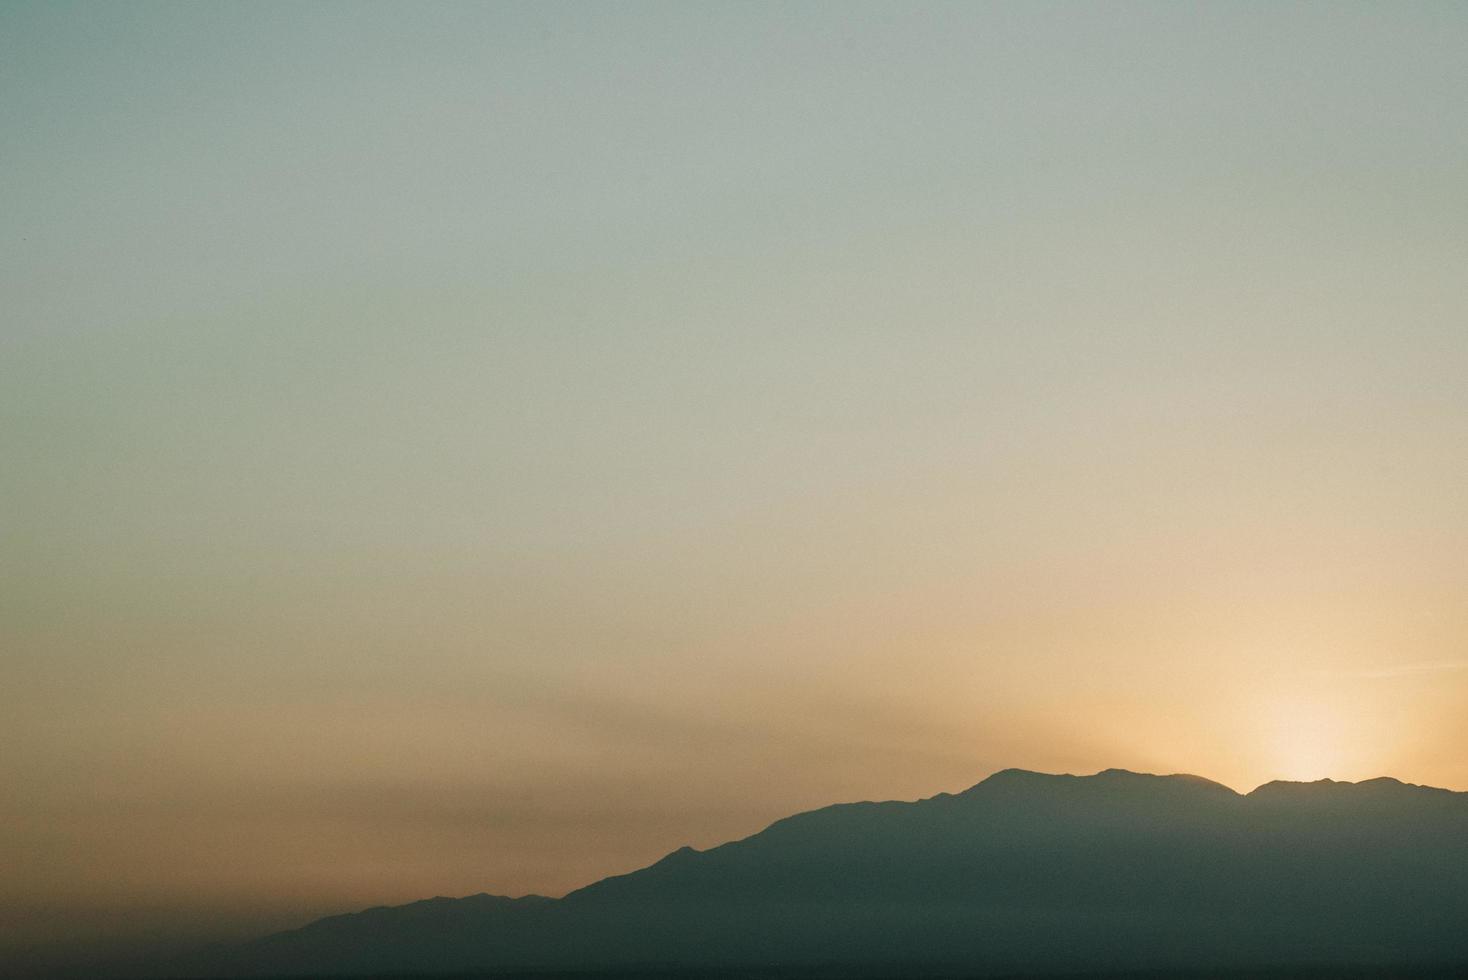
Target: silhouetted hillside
1024,872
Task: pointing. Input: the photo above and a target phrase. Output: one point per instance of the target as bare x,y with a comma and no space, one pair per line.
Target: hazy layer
449,448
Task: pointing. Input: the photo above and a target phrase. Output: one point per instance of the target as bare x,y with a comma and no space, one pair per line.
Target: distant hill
1023,873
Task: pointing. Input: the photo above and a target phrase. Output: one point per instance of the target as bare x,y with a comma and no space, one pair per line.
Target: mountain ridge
1022,871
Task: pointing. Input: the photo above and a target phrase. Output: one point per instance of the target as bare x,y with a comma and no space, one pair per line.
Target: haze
482,448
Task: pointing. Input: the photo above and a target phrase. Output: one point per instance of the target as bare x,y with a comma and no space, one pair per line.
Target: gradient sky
483,448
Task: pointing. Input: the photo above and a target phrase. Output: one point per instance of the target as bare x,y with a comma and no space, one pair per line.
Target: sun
1308,741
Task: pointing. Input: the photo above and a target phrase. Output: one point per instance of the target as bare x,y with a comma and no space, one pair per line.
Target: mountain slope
1022,872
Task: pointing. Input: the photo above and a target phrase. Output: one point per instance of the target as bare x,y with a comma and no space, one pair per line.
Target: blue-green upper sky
483,447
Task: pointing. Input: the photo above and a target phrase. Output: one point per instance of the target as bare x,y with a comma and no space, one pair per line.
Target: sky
455,448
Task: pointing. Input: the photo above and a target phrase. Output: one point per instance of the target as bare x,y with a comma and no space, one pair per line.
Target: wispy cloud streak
1405,670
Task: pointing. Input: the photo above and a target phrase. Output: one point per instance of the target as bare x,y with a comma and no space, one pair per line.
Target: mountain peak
1011,774
1016,778
1336,788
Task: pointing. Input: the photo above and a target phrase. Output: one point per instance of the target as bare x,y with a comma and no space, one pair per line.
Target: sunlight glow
1310,740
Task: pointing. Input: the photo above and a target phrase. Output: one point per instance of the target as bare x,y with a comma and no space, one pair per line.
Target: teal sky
449,448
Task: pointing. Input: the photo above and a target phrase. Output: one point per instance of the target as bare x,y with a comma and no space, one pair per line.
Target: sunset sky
483,448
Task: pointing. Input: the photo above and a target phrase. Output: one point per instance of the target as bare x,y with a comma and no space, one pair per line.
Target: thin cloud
1406,670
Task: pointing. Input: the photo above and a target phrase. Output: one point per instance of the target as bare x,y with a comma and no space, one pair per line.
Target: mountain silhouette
1024,872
